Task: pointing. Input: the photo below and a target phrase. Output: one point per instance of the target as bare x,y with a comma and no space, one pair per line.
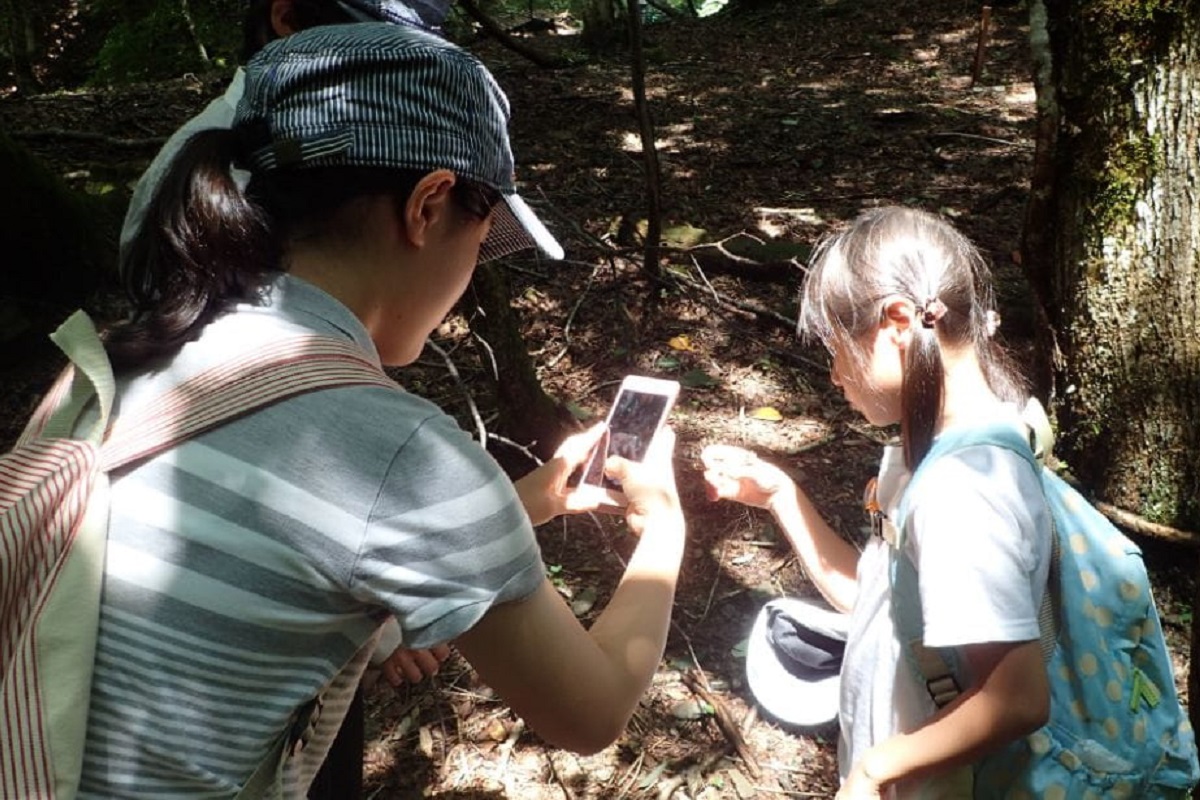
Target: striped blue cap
427,14
393,96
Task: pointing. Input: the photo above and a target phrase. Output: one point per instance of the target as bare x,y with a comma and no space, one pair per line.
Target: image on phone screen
633,423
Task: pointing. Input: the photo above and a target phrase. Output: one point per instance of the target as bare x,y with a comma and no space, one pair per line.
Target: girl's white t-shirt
980,537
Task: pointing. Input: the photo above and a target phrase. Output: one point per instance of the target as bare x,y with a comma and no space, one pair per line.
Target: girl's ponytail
924,385
202,243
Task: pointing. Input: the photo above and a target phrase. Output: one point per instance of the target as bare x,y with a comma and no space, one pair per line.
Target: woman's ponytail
202,244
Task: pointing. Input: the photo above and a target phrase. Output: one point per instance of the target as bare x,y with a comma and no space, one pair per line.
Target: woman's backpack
1116,728
54,513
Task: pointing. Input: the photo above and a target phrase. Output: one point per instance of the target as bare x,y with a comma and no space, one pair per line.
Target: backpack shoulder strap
88,375
941,668
272,373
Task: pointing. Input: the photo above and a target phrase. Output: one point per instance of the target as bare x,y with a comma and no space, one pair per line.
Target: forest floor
773,126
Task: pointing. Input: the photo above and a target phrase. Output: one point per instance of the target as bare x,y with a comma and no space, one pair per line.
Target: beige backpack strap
282,369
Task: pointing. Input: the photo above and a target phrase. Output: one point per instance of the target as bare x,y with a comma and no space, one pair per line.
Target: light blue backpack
1116,728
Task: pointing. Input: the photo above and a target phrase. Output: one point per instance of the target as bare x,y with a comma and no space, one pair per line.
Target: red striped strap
274,372
49,404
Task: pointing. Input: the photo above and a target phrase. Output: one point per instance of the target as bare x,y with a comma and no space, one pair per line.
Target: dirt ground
772,126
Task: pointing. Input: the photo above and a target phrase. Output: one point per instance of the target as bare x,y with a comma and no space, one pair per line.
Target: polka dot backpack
1116,728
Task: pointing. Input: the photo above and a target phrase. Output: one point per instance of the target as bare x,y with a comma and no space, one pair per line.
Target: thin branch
695,680
743,307
978,138
571,318
450,366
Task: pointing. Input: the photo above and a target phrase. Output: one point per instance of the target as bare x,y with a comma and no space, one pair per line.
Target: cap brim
784,696
514,228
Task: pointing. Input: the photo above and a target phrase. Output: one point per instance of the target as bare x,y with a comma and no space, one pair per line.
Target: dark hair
205,243
890,252
257,29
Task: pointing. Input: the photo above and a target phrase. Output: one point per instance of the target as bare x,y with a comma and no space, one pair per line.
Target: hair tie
933,310
993,322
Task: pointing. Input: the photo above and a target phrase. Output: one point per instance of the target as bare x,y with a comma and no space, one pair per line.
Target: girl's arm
1011,699
831,562
578,687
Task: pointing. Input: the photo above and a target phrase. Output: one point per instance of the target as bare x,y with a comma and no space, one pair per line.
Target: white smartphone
640,409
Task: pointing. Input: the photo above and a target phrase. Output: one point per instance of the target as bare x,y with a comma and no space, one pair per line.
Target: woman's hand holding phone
649,485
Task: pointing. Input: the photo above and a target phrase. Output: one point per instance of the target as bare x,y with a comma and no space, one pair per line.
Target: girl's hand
544,492
859,785
734,473
412,666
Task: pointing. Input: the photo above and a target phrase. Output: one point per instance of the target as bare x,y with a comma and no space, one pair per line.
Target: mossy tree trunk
1113,248
1113,244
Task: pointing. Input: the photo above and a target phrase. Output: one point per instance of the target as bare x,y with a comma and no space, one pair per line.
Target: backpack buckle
881,526
943,690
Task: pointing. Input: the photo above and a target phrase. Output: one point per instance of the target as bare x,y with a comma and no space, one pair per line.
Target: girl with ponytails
904,305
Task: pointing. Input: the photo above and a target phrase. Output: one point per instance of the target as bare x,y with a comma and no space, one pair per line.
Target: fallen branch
742,307
694,679
1138,524
502,36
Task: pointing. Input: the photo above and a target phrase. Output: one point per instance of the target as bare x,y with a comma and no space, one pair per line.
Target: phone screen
631,426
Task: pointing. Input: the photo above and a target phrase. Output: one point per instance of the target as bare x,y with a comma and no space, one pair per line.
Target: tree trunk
1113,245
528,416
649,148
1113,248
600,24
21,43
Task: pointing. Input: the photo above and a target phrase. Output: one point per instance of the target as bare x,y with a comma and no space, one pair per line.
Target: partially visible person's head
900,258
267,20
383,98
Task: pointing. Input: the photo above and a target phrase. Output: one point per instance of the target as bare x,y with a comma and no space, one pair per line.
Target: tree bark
527,415
1113,244
649,149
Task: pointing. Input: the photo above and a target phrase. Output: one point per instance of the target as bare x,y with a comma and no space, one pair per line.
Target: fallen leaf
766,413
681,342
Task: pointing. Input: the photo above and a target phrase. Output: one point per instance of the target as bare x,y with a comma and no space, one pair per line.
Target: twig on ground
566,790
520,448
631,775
668,788
694,679
712,590
742,307
979,138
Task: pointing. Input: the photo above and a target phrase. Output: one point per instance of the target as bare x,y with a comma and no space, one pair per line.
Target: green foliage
148,41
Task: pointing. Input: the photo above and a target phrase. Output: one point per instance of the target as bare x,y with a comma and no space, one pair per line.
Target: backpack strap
274,372
88,375
941,668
